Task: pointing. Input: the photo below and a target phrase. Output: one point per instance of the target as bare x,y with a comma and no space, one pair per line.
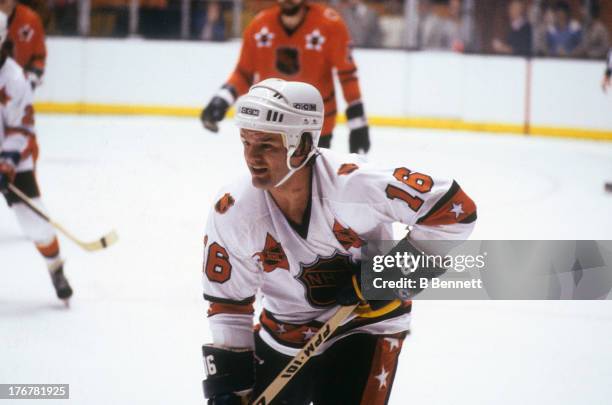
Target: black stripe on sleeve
469,219
454,188
218,300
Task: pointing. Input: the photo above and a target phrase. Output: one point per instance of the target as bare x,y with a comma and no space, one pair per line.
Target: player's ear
302,150
305,145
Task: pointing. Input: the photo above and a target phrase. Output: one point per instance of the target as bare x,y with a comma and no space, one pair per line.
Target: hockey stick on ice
303,356
99,244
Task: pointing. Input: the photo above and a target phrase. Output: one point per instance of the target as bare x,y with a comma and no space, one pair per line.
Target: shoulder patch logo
347,237
224,203
25,33
272,256
4,97
264,38
347,168
315,40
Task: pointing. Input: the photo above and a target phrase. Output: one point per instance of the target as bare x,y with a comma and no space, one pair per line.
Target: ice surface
133,333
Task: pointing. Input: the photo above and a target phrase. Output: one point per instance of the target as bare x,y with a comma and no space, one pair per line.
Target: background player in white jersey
18,154
608,73
294,229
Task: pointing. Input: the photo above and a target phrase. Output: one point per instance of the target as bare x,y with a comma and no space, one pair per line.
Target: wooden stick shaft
303,356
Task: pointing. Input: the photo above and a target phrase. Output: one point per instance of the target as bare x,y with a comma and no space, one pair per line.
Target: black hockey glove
8,163
359,140
359,137
230,375
217,108
376,308
352,294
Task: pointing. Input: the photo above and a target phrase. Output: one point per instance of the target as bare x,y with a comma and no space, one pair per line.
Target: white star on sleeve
457,209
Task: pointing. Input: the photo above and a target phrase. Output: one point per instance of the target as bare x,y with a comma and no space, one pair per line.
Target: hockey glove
217,108
8,162
352,294
359,136
230,375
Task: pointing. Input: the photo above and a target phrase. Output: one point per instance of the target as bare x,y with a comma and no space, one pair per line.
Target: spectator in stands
64,18
439,30
207,21
595,39
564,36
363,23
519,38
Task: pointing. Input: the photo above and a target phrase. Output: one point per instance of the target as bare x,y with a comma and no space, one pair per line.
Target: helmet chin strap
290,153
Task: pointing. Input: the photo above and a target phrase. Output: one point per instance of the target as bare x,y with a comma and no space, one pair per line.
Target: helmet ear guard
287,108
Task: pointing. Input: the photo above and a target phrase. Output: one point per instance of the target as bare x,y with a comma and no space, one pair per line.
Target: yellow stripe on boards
400,122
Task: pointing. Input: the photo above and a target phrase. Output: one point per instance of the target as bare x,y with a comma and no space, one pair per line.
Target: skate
61,285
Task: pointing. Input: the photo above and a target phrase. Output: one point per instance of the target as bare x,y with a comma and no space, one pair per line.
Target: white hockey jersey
250,245
17,134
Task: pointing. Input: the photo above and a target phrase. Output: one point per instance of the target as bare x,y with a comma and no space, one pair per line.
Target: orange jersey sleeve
341,58
27,34
242,78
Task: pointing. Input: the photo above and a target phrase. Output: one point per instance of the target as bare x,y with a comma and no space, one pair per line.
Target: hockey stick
303,356
99,244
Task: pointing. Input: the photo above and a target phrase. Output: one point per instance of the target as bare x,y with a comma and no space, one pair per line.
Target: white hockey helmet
3,27
286,108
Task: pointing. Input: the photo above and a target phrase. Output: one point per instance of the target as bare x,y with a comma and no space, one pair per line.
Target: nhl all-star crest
315,40
272,256
264,38
323,278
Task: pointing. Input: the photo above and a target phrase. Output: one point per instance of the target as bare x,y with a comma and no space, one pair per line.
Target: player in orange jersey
26,40
303,41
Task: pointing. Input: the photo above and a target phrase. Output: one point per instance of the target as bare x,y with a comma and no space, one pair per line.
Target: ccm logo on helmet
249,111
305,106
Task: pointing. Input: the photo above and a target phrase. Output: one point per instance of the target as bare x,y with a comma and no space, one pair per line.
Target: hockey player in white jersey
18,154
293,230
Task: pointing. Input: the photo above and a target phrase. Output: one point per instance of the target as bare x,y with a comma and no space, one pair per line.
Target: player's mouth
258,171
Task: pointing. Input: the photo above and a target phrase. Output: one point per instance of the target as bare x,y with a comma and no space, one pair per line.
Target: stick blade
102,243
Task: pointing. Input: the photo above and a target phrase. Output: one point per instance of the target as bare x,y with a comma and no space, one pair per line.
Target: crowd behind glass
555,28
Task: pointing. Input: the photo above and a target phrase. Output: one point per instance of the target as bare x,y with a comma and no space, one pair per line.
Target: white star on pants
393,343
382,378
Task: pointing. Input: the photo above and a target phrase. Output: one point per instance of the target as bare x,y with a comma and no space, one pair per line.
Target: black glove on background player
359,136
217,108
8,163
229,372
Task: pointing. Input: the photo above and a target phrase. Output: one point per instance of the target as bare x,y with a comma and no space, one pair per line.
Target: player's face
265,156
289,7
7,6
